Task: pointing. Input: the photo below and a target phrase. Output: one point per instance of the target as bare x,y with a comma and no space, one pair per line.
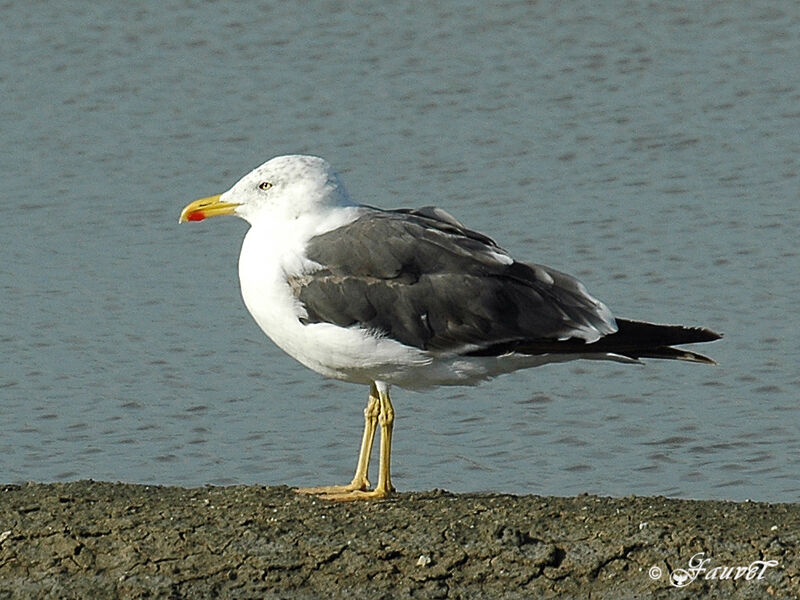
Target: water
651,151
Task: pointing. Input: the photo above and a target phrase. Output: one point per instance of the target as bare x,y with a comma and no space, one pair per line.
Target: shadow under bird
407,297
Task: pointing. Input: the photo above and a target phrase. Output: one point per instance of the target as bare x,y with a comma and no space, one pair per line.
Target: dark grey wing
442,220
425,280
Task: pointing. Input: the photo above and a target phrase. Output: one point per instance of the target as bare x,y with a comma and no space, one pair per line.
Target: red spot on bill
196,215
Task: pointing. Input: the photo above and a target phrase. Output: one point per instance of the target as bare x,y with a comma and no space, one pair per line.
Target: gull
407,297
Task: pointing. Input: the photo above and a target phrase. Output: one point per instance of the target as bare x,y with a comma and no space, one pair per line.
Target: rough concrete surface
111,540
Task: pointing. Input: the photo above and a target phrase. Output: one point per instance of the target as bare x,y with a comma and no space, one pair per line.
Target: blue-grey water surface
651,149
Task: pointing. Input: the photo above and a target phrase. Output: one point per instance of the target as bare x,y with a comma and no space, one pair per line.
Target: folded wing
422,278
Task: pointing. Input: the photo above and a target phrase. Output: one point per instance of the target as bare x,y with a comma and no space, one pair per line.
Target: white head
283,188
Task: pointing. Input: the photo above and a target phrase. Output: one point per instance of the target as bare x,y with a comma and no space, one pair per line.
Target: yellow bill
205,208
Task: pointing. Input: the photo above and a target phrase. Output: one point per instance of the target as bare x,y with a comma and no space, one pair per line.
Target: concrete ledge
111,540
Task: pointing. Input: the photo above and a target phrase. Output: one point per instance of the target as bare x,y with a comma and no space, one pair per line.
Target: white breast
269,256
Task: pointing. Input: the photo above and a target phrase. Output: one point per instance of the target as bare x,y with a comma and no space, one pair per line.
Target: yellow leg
360,480
386,420
371,416
384,487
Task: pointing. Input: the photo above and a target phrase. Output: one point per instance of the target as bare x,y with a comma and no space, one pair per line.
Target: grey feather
422,278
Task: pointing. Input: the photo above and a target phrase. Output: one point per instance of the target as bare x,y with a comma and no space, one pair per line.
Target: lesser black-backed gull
407,297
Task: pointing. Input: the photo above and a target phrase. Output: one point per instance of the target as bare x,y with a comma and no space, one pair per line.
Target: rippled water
651,151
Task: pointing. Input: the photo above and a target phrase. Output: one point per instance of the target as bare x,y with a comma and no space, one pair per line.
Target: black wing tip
709,334
702,359
691,335
653,340
634,340
671,353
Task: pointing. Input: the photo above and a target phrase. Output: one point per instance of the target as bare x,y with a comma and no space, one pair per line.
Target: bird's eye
264,185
